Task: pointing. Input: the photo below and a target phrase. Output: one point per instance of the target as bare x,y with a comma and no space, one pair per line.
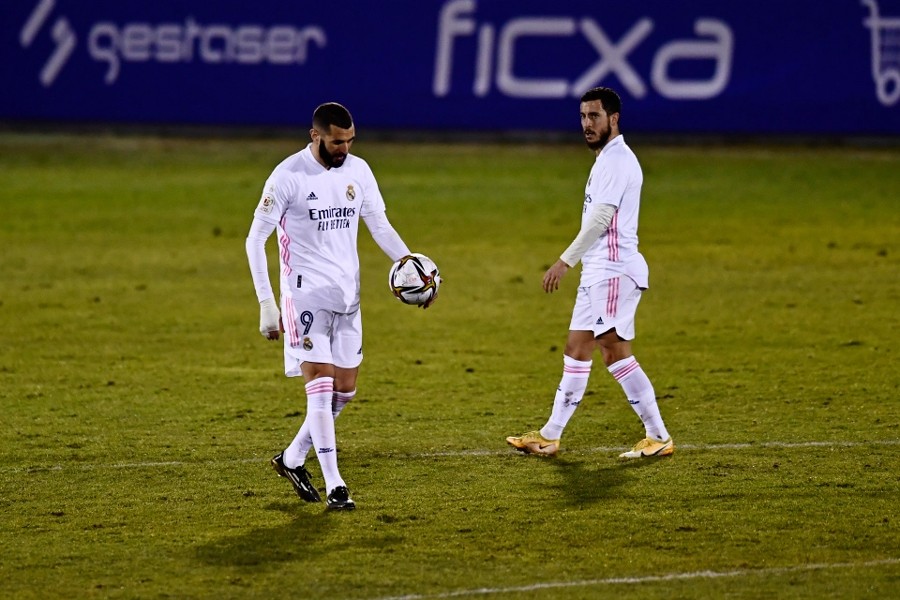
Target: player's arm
592,228
269,318
372,211
389,240
386,236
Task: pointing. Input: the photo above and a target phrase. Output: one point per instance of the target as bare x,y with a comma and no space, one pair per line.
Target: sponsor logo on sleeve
267,204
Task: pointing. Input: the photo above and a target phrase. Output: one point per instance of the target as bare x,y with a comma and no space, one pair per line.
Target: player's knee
345,379
614,349
312,370
579,351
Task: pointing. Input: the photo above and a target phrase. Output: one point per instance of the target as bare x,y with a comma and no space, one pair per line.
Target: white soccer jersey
616,179
316,212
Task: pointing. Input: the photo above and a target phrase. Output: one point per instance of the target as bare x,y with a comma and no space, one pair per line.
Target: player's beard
602,138
330,159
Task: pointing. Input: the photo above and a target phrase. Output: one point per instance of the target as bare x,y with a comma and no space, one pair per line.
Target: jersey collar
312,159
619,139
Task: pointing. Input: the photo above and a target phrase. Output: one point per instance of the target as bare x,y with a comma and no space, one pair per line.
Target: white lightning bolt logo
62,34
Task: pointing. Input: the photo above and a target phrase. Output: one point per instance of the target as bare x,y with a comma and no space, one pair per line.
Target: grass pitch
140,405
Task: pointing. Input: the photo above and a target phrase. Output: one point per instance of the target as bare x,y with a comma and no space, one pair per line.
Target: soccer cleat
534,443
298,477
650,447
339,499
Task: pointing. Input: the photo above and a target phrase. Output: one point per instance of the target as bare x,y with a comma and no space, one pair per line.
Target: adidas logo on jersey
312,196
600,321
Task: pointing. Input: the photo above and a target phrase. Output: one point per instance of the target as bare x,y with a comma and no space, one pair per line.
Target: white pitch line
454,454
647,579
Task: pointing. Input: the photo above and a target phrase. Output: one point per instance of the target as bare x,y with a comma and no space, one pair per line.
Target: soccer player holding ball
314,199
613,276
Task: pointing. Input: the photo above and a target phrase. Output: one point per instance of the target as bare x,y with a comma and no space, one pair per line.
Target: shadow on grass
270,545
584,483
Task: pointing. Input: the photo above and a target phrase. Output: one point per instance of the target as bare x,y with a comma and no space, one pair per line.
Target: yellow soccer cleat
649,447
534,443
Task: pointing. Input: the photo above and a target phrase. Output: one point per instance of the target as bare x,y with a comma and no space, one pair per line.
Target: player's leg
290,463
576,372
319,393
307,339
344,392
345,345
577,360
615,345
308,332
297,320
344,389
346,349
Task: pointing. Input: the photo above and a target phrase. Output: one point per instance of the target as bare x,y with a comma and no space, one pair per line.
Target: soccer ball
414,279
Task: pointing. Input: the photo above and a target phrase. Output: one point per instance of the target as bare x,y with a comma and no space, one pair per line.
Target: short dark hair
610,99
331,113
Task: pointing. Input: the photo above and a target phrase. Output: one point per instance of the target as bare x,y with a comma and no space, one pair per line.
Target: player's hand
429,303
553,276
433,299
269,319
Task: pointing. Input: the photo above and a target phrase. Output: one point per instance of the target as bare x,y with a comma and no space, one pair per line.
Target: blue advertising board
703,66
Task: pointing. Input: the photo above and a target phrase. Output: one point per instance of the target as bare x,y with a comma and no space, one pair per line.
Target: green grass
140,406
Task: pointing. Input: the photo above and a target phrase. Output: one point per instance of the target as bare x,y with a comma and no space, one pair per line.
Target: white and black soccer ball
414,279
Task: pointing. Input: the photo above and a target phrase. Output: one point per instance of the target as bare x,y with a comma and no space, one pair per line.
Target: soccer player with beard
613,276
315,199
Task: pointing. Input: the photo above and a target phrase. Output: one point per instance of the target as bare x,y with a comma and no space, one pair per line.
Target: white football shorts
313,334
611,304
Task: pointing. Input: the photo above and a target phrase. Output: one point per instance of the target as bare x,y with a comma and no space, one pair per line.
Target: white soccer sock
339,401
641,396
568,396
321,427
295,454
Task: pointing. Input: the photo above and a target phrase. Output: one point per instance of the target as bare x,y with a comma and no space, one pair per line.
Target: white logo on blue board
885,53
498,44
171,42
62,34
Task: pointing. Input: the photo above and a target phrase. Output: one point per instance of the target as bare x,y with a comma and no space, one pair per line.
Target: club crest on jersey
266,204
307,344
351,193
